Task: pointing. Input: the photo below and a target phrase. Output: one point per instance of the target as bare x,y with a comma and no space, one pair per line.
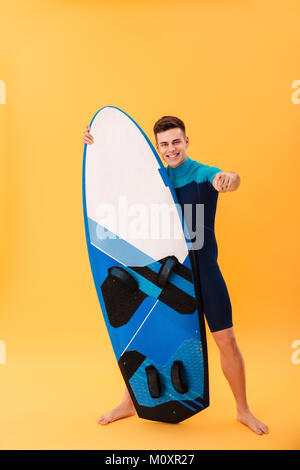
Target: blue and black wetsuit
192,182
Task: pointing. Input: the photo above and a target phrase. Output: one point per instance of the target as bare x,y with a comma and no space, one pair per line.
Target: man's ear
187,141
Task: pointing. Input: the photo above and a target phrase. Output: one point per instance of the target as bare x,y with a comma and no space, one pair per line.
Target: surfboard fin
153,381
177,377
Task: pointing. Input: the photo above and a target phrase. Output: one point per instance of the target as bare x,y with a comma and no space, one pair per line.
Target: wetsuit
192,182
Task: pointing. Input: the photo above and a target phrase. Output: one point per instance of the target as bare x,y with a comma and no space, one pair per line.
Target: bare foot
247,418
123,410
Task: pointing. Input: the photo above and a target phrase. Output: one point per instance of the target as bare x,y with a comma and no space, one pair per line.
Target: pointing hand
223,182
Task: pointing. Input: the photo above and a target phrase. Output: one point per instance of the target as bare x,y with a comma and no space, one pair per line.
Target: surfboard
145,275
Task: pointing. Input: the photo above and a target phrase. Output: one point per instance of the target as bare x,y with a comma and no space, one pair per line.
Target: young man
197,183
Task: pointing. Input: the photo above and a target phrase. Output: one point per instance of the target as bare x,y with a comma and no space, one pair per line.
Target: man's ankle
242,408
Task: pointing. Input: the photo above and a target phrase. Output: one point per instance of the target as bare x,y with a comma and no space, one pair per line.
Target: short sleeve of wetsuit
206,173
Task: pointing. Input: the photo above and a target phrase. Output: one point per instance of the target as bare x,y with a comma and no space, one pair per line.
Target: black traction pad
129,363
178,300
120,303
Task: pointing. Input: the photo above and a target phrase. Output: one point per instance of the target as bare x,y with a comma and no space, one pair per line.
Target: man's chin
175,163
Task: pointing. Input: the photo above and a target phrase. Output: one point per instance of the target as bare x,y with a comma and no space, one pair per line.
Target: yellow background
226,68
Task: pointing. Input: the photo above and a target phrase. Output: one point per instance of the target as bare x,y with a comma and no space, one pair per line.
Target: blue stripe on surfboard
185,404
197,403
127,254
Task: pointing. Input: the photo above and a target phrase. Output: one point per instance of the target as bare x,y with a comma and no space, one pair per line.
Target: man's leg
234,370
123,410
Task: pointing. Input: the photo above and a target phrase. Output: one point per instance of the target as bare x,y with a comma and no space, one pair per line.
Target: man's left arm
226,181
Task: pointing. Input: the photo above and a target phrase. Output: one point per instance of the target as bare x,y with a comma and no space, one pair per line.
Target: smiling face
172,145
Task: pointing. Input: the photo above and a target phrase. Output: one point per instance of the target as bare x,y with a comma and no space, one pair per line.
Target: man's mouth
173,156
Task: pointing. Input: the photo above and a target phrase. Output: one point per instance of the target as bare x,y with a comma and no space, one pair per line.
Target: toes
103,420
258,431
261,428
265,429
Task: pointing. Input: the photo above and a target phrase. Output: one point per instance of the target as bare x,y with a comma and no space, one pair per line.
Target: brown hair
168,122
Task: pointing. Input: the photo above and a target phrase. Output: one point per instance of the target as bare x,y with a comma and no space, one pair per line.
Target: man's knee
226,341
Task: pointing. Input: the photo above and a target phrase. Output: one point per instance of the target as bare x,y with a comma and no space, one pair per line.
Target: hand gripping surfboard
147,283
